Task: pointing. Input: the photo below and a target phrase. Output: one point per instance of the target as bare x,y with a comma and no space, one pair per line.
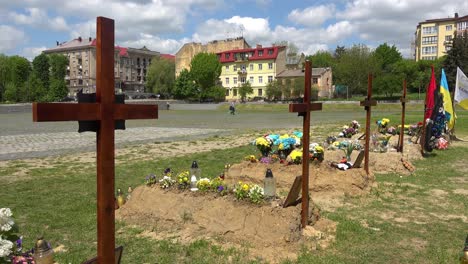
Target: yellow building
433,37
258,66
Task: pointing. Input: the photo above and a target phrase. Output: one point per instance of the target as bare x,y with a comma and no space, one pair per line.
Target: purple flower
220,188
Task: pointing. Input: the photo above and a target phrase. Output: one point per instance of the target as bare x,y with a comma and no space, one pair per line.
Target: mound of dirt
269,231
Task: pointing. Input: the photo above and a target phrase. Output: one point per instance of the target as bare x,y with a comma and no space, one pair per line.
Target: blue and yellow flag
448,106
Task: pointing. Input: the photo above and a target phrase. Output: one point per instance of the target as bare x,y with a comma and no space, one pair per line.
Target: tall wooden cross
403,101
368,103
303,109
106,112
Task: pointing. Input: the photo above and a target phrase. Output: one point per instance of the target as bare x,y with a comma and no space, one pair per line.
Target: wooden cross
403,101
106,112
303,109
368,103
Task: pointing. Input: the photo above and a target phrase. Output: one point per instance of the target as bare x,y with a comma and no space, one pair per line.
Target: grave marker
368,103
105,111
303,109
403,101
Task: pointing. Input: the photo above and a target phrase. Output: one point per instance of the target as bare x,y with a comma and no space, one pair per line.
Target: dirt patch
269,231
461,191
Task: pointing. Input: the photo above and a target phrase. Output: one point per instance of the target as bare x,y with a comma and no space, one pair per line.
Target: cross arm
368,102
43,112
135,111
302,107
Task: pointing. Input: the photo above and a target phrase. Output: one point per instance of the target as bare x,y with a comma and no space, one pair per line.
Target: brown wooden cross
368,103
303,109
403,101
106,112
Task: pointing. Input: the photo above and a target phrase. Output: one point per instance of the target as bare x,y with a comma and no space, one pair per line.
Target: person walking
167,105
232,109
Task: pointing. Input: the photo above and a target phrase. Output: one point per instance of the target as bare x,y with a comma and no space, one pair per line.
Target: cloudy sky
29,26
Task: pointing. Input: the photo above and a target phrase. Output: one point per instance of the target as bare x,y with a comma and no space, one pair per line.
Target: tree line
42,80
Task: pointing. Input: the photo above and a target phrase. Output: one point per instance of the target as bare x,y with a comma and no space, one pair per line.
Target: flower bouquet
256,194
295,157
8,235
166,182
183,180
219,186
241,190
204,184
382,125
316,152
251,158
263,145
392,130
150,180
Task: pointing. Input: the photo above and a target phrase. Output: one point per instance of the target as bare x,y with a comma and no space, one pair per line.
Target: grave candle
196,173
269,187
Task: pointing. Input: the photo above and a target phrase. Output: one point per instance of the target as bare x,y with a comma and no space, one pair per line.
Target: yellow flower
281,146
385,121
319,149
185,179
284,136
295,154
262,142
336,144
245,187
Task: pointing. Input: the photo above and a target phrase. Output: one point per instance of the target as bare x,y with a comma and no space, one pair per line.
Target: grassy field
420,218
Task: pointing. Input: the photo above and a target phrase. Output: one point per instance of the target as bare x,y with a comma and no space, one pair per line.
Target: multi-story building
433,37
258,66
321,78
185,54
130,65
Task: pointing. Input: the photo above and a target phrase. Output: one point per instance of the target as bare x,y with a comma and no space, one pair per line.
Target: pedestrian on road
168,105
232,109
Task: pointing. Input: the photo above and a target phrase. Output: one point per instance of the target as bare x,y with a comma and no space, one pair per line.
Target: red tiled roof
168,57
122,51
255,56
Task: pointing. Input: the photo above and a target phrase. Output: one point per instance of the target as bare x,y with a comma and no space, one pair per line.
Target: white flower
5,247
6,221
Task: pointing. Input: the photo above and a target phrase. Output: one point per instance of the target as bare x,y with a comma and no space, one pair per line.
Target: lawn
420,218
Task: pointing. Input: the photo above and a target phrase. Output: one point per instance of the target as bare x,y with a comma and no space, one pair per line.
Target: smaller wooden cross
403,101
106,112
303,109
368,102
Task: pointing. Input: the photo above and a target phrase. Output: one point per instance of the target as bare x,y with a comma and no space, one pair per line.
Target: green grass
60,203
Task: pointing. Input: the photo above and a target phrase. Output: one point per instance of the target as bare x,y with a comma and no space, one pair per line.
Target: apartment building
433,37
130,65
258,66
184,56
322,78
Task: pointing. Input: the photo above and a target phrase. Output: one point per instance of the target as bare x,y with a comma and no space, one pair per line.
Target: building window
226,56
80,82
251,67
429,30
260,66
235,67
270,79
260,79
448,38
243,79
270,66
234,80
227,68
462,25
270,52
314,80
227,92
429,40
227,81
234,92
429,58
260,53
251,79
429,50
260,92
448,28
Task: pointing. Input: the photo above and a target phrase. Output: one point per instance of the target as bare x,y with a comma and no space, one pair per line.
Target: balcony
242,72
242,58
67,77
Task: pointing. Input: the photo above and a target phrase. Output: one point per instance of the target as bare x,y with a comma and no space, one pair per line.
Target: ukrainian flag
448,107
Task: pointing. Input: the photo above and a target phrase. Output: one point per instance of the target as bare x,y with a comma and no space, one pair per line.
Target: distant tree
185,87
321,59
15,76
388,84
216,93
160,77
11,92
339,51
286,88
244,90
41,68
386,56
57,90
4,74
273,90
205,69
353,68
58,66
36,91
298,86
457,56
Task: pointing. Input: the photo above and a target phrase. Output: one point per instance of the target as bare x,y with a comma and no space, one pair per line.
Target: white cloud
10,37
31,52
39,18
170,46
312,16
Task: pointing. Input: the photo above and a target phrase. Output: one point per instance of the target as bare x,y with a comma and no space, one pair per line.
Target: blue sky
29,26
